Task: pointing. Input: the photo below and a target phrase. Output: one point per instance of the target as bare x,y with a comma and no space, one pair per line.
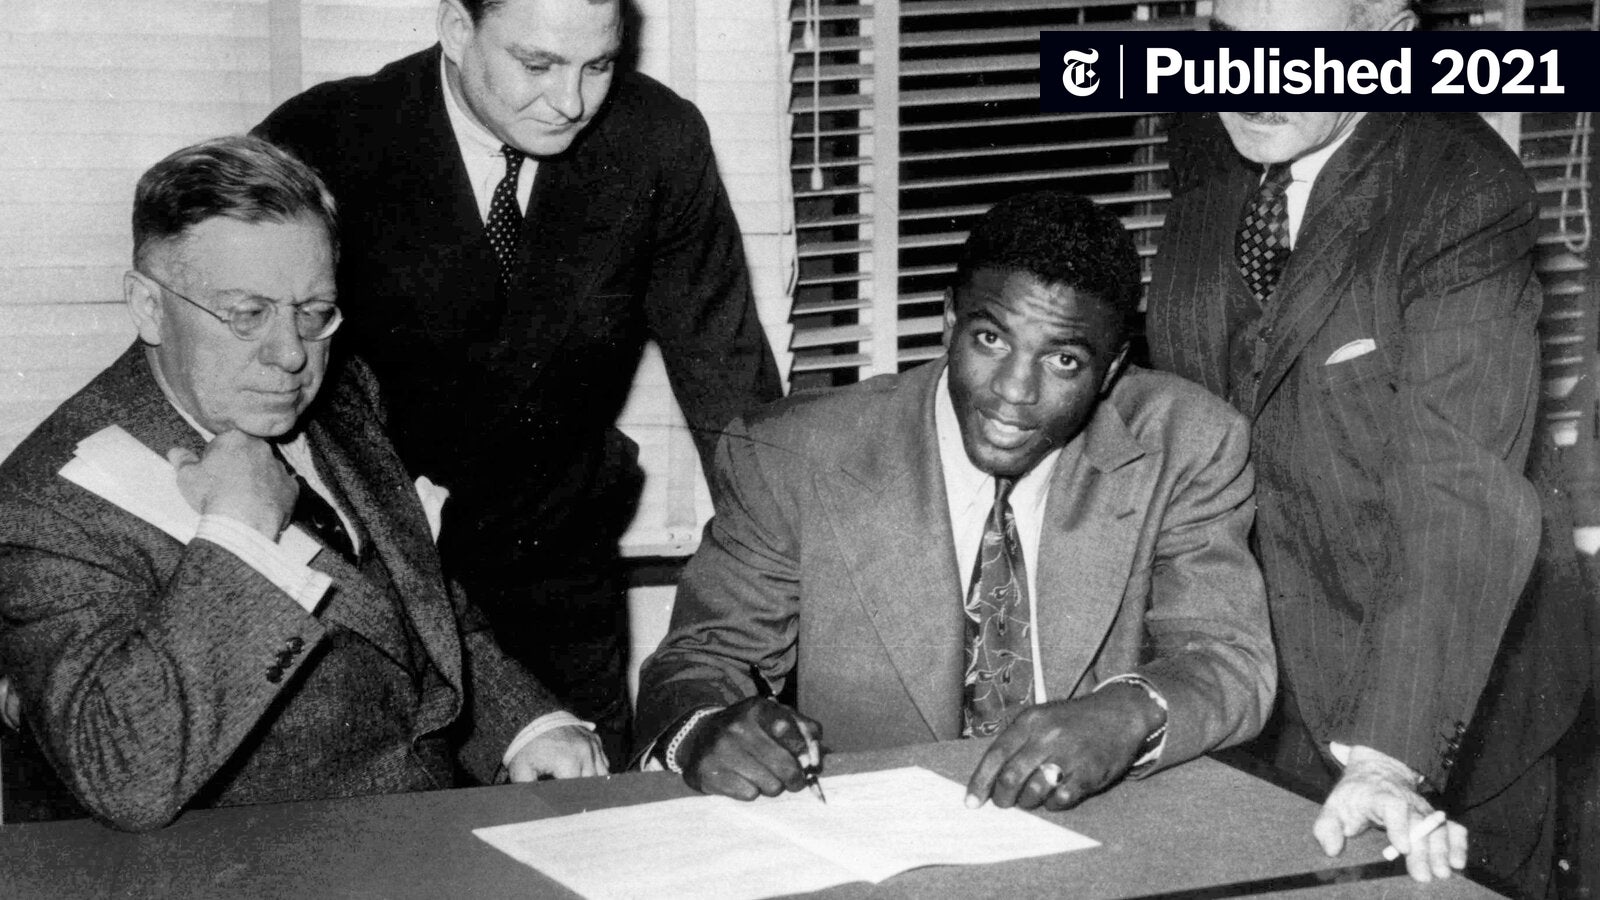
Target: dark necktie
505,219
317,517
1264,234
999,677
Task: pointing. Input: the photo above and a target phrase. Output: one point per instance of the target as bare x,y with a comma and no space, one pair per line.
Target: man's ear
1114,371
144,305
949,317
455,27
1404,20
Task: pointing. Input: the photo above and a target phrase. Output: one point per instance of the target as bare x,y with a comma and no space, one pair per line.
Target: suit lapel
1223,183
577,213
1092,520
1343,205
136,403
361,468
436,204
905,575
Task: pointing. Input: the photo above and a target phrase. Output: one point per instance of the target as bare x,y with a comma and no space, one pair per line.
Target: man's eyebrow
541,57
535,56
982,314
328,296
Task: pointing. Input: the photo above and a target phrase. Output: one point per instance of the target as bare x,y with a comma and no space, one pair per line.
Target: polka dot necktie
999,678
1264,234
505,219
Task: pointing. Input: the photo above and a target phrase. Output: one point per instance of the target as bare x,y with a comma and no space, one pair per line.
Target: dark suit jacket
507,399
1396,528
831,560
158,675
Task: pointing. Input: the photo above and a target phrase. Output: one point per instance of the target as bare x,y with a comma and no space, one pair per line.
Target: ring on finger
1053,776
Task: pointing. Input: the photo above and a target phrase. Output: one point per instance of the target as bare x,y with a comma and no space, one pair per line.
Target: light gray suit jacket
831,560
159,676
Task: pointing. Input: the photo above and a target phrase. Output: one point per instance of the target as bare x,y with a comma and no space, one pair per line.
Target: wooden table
1200,830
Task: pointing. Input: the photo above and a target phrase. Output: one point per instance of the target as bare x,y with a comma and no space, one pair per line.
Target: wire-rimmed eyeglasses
314,320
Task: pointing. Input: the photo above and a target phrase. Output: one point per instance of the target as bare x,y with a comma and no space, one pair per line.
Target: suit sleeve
1209,642
502,695
139,691
1466,519
738,603
698,303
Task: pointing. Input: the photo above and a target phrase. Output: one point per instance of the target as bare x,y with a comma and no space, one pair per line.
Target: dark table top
1204,829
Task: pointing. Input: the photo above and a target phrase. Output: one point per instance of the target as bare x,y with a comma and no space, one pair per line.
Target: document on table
874,825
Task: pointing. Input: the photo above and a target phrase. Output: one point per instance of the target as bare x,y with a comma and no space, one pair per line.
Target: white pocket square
1352,350
433,497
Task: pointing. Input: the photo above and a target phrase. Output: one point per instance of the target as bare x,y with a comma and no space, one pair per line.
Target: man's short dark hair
1060,238
477,8
237,177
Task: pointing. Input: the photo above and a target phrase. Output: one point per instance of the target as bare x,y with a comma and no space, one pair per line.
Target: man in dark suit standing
525,216
217,580
1361,286
1025,540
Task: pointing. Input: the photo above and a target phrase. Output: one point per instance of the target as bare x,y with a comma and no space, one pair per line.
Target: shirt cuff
1343,754
545,723
1156,741
284,563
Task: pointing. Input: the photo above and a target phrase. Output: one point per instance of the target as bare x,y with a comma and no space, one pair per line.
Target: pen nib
815,785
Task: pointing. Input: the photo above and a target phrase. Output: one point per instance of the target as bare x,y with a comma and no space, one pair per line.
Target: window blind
726,56
92,93
912,117
340,38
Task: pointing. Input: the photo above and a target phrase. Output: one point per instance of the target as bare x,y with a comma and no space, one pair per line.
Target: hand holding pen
756,747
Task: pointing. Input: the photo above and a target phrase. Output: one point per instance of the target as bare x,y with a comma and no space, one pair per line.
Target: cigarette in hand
1418,831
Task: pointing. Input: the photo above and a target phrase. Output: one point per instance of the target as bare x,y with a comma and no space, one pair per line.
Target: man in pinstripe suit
1391,375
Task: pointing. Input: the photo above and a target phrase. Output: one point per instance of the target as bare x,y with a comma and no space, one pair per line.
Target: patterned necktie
317,516
1264,234
999,677
505,219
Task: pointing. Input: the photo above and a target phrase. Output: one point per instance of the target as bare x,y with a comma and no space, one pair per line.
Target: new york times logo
1078,78
1220,71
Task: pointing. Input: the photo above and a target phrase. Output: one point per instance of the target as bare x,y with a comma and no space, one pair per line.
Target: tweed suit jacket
158,676
1396,529
628,235
830,561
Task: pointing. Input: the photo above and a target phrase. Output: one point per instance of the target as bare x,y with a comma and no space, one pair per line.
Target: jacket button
275,674
294,644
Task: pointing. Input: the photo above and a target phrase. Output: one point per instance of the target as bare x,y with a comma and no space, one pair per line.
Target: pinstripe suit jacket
1395,529
146,666
831,561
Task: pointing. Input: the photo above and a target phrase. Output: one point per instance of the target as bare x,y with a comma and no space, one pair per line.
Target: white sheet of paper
874,825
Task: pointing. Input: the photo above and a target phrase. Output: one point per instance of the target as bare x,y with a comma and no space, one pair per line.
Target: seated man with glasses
218,585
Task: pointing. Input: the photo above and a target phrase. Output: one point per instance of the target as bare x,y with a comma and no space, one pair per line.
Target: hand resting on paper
238,477
754,747
1060,752
570,751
